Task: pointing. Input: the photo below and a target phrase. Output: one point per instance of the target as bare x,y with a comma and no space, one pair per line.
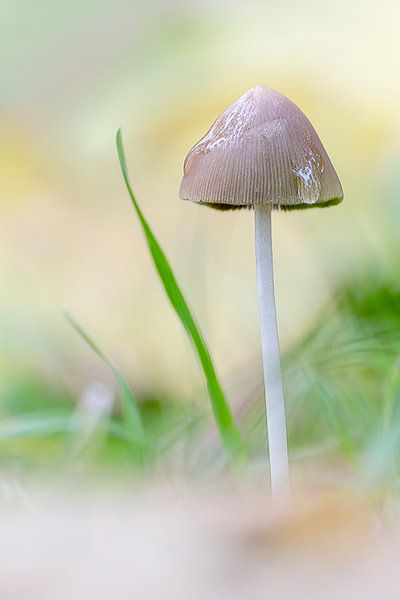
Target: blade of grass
228,431
130,409
36,424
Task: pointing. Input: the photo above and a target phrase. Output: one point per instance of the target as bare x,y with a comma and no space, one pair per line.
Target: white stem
276,422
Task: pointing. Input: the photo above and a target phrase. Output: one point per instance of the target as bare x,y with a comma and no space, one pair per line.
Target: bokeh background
72,73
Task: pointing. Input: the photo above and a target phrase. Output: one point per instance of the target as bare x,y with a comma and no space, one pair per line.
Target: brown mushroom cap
261,150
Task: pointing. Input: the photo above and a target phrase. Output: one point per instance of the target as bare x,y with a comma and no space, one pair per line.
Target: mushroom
262,152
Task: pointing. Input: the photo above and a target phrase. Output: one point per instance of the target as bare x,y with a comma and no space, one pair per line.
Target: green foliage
342,377
342,391
131,412
35,424
146,439
226,426
342,384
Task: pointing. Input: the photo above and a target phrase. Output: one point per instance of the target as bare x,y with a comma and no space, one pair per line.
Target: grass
342,383
132,420
229,433
342,387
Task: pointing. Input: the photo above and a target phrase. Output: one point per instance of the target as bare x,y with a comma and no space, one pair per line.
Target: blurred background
71,74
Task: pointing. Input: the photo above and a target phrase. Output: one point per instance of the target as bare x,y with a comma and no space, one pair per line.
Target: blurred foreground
163,545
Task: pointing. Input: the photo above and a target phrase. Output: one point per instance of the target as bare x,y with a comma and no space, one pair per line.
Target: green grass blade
130,407
226,425
36,424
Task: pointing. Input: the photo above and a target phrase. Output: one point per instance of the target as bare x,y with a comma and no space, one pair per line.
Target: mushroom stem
275,407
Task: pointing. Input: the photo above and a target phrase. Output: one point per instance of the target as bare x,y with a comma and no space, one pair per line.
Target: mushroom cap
261,150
